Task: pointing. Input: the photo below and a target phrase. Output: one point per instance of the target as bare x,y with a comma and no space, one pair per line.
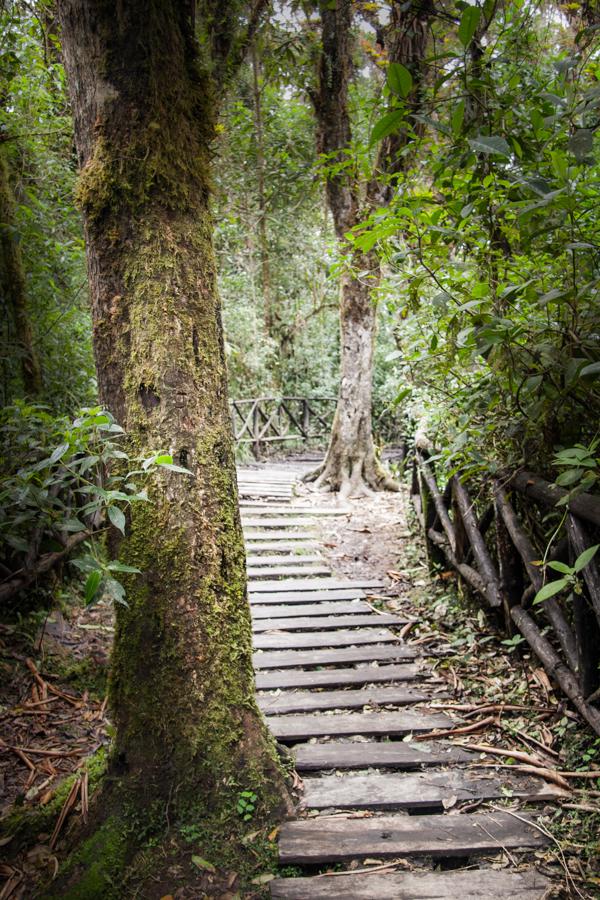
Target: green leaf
58,453
584,558
173,468
468,24
116,590
387,125
458,115
116,566
163,459
550,589
581,143
91,586
117,517
561,567
592,369
492,144
399,79
203,864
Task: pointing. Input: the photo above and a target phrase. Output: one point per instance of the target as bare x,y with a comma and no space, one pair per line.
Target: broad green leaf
592,369
581,143
469,21
584,558
550,589
561,567
116,590
174,468
117,517
387,125
163,459
58,454
91,586
492,144
458,115
203,864
117,566
399,79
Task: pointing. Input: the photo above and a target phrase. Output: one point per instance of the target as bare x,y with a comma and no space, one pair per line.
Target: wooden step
294,640
313,623
296,678
253,534
472,884
385,724
324,840
258,573
325,584
266,522
376,754
424,790
293,659
252,508
279,559
309,701
279,548
257,595
313,610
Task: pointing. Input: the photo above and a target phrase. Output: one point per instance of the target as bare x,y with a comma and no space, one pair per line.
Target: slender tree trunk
189,736
12,284
263,239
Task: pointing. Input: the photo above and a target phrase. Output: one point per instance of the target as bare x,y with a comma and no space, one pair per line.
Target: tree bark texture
263,238
13,287
188,731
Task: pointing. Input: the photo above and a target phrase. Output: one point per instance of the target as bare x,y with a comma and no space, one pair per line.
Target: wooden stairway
340,688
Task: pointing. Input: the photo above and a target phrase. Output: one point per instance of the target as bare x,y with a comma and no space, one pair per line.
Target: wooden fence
265,420
495,555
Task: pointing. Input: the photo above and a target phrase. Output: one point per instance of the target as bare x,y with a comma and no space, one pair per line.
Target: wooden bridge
264,420
386,799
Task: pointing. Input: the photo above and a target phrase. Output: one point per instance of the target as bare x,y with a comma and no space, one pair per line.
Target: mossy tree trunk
188,732
14,290
350,465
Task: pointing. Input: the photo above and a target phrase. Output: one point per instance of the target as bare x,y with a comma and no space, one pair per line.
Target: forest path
388,806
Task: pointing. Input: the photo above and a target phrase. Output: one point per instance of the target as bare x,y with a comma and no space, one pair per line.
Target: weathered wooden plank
472,884
296,678
258,573
296,728
280,547
312,841
281,559
290,659
309,701
307,596
252,508
265,522
314,610
376,754
316,623
253,534
281,640
326,584
423,790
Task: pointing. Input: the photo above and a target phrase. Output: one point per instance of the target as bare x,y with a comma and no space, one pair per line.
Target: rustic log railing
264,420
496,557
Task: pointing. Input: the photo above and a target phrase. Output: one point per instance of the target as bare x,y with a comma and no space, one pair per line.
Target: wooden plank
280,559
254,535
281,640
422,790
309,701
257,573
311,841
472,884
280,547
297,678
308,596
290,659
314,623
265,522
300,728
253,508
314,610
325,584
376,754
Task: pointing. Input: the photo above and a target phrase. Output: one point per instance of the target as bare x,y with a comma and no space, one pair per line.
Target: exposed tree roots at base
356,475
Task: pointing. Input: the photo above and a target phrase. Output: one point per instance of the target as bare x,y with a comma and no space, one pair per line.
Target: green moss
95,870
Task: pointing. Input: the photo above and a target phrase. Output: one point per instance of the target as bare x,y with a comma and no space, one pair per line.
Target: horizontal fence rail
264,420
495,555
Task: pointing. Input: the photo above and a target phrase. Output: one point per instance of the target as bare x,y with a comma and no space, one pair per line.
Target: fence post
256,431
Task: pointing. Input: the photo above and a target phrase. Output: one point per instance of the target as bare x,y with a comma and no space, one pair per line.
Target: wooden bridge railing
495,555
262,420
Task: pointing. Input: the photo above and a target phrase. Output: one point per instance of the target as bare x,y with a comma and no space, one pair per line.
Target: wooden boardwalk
346,695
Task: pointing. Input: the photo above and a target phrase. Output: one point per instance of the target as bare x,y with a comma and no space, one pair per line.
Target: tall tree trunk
189,736
263,239
14,292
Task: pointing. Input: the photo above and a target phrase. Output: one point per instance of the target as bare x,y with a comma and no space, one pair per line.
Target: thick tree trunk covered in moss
14,292
189,736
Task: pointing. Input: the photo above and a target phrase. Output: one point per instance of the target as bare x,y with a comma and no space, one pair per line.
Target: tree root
362,476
